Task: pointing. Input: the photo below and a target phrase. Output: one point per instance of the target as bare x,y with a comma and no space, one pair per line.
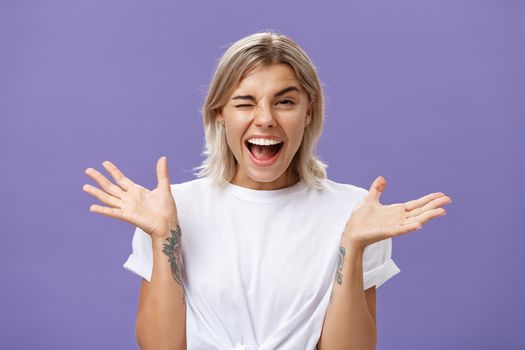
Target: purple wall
429,94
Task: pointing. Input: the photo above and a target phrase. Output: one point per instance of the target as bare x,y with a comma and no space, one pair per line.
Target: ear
219,117
308,118
309,114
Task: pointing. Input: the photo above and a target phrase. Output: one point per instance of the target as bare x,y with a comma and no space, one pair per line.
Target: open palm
372,221
153,211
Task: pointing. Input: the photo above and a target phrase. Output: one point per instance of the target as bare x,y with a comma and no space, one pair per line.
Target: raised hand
372,221
153,211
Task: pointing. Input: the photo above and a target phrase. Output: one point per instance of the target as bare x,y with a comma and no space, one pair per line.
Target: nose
264,117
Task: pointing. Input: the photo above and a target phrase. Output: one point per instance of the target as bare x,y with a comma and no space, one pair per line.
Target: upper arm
370,296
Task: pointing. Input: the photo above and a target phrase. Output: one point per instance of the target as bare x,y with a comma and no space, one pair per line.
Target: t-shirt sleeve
378,265
140,260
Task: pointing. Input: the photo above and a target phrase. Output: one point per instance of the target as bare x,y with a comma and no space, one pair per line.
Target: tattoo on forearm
173,250
338,274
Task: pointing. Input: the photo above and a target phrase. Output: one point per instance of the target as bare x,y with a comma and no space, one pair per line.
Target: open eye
287,102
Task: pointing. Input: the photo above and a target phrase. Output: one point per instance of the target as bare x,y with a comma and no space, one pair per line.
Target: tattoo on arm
338,274
173,250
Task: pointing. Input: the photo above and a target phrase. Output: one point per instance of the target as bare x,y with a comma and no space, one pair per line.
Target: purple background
429,94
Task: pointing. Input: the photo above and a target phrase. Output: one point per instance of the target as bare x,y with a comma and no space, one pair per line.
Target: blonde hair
261,48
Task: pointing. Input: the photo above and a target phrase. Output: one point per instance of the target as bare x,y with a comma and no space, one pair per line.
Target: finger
377,188
102,196
121,180
416,203
163,179
426,216
433,204
107,185
111,212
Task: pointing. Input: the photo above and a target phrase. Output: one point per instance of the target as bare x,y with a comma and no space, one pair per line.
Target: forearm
161,323
348,324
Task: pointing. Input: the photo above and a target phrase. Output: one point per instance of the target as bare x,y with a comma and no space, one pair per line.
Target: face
265,119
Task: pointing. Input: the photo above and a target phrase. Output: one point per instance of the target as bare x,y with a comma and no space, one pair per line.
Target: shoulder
344,189
193,192
191,186
344,196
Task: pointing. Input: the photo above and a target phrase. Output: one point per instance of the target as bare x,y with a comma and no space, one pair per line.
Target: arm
350,318
161,320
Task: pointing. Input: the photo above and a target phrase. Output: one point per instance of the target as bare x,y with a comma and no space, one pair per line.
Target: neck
288,179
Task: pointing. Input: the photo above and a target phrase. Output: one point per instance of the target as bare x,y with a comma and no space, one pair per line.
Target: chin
269,177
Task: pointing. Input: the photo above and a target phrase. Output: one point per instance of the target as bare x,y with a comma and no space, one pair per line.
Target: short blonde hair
261,48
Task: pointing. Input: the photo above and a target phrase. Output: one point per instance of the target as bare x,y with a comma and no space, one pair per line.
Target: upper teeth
264,142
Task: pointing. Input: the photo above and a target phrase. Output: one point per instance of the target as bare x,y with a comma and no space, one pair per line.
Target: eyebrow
282,92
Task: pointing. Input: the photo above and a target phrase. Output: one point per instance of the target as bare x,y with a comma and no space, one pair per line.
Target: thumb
377,188
162,174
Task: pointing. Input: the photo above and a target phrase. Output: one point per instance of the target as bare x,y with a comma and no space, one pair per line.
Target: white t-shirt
259,265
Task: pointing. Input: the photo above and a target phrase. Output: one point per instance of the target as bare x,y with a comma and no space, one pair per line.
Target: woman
261,250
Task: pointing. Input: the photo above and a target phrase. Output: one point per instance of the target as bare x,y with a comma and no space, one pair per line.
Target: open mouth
264,154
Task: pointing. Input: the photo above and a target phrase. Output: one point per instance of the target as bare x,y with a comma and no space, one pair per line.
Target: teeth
264,142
